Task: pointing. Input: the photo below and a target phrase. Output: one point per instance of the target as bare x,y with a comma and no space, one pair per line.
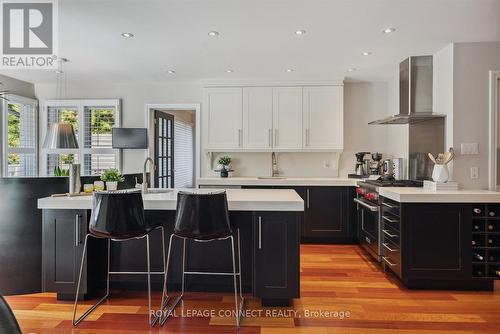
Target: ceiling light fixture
289,70
388,30
213,33
300,32
352,69
58,71
171,72
366,53
229,71
127,34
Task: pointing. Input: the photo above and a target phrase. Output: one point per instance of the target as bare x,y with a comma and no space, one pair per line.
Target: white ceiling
257,37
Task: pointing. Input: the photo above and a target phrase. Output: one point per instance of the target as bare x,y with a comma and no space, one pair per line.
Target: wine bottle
497,272
473,242
491,258
478,273
476,227
477,211
490,241
491,227
492,214
477,256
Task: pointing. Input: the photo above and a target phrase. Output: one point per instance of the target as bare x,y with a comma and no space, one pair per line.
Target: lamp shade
60,135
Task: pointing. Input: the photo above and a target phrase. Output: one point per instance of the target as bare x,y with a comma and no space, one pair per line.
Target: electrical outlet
474,173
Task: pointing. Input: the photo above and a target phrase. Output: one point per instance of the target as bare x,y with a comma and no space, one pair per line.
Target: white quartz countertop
288,181
420,195
238,200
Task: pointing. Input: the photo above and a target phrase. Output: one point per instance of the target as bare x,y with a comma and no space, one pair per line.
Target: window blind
183,154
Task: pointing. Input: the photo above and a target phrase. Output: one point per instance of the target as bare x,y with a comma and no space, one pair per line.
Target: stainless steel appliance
426,130
369,212
360,168
376,164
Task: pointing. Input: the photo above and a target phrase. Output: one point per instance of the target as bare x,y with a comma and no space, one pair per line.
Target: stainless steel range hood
415,92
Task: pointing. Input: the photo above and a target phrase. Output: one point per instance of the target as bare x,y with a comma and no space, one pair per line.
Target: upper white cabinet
222,118
287,118
323,119
258,117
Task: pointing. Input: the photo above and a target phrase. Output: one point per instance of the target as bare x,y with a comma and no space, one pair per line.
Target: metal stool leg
93,307
168,313
242,299
237,314
149,279
164,297
183,264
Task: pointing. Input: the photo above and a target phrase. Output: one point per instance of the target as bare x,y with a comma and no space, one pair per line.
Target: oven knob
369,196
359,191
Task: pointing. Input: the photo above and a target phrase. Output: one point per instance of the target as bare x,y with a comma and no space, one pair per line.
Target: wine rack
486,241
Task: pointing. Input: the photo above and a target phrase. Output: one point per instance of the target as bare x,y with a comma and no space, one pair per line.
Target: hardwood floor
338,279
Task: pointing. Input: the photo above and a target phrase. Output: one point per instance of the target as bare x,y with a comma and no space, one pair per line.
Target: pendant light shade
60,136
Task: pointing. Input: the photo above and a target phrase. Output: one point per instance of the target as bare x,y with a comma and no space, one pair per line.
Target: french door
164,149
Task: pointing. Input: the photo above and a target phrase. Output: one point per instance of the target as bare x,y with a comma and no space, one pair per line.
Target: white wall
133,97
472,63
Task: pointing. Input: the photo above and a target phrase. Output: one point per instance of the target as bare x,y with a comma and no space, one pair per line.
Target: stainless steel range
369,212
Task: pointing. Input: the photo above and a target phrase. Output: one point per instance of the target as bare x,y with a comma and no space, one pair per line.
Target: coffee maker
376,164
360,169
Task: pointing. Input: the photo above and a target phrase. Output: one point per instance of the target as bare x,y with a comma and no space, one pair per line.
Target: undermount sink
271,177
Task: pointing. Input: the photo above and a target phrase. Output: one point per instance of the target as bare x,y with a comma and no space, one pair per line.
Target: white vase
440,173
111,185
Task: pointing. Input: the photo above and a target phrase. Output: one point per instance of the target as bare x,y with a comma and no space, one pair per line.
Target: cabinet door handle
308,195
389,234
307,137
276,142
239,137
77,230
388,248
389,262
270,137
260,232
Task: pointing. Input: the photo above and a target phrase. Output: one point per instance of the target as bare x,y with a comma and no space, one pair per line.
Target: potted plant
112,176
225,165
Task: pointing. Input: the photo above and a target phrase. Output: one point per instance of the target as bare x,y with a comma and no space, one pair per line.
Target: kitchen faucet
274,164
144,176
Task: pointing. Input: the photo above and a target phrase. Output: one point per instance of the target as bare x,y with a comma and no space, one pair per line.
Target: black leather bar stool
8,322
119,216
203,218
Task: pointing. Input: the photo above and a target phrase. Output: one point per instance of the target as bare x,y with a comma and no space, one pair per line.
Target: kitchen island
269,223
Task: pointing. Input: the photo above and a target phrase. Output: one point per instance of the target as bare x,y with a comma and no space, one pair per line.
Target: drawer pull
389,206
388,248
389,262
389,234
390,220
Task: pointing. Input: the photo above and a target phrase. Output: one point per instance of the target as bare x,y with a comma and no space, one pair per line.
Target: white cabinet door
222,118
257,117
323,117
287,117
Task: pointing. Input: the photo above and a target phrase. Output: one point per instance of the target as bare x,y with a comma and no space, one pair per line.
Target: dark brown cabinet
428,245
329,213
63,237
276,257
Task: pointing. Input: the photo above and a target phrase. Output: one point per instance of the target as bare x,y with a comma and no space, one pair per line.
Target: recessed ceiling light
213,33
171,72
58,71
300,32
229,71
62,60
289,70
366,53
388,30
352,69
127,34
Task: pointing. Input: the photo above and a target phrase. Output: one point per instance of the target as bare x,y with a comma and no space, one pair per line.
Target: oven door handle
366,205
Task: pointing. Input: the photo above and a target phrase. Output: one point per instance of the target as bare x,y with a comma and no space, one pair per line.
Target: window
184,154
19,121
92,121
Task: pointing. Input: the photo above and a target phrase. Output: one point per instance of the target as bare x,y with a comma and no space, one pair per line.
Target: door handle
77,230
366,205
260,232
